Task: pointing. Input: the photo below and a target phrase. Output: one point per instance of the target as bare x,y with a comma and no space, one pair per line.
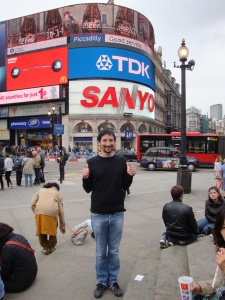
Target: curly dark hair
219,223
50,185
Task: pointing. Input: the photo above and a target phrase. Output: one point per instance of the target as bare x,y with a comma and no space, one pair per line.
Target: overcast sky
200,22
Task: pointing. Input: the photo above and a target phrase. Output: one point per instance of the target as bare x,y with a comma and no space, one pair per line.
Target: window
104,19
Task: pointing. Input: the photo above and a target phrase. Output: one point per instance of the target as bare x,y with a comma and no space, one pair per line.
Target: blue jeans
37,175
193,237
26,179
108,233
203,225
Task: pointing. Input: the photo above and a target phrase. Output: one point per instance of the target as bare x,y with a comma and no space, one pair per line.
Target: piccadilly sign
111,63
111,97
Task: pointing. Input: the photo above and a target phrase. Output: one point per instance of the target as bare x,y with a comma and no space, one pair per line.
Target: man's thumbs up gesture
131,170
86,171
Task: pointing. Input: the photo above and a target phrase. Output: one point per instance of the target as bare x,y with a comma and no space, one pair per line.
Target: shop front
32,131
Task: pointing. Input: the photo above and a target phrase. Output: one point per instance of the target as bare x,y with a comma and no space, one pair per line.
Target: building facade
216,111
172,103
193,119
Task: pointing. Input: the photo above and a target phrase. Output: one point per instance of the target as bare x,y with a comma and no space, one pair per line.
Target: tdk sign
111,63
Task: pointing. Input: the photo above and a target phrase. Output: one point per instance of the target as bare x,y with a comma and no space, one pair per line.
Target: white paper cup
185,283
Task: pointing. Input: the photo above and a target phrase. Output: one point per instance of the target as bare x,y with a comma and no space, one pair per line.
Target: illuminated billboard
107,97
119,25
3,56
114,63
41,68
30,95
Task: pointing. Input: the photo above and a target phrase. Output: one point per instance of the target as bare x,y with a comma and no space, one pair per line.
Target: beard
109,149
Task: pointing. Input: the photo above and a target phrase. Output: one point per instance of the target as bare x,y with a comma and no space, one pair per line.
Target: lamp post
183,174
61,162
52,112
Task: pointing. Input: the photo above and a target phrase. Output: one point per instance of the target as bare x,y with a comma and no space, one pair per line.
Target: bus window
160,143
212,145
195,145
146,144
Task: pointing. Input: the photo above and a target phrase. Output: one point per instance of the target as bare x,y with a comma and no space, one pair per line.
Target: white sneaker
163,244
169,243
128,195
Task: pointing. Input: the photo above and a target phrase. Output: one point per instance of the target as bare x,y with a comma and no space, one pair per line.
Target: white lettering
130,66
120,61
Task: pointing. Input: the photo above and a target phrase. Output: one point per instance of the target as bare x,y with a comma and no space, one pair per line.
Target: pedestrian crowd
30,164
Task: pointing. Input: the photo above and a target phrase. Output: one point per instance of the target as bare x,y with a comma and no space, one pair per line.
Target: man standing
18,167
42,156
37,167
179,219
107,176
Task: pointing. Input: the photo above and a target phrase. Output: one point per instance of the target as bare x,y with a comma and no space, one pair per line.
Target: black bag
66,157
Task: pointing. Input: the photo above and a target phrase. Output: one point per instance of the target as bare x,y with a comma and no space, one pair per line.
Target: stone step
201,259
144,289
173,264
196,260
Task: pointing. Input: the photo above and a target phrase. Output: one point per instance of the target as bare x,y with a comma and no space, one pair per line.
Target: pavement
69,272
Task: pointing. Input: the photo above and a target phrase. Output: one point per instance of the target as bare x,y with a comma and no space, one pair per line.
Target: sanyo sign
114,63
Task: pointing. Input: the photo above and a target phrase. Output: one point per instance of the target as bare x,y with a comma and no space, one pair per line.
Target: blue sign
87,38
58,129
31,123
111,63
128,135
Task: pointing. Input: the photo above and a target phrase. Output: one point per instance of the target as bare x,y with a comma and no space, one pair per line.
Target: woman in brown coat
47,204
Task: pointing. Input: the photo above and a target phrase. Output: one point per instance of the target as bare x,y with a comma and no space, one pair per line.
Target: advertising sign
39,30
102,97
3,56
30,123
58,129
41,93
4,112
111,63
128,135
33,109
37,69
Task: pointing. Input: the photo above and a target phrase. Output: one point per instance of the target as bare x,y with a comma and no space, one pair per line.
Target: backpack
66,157
17,163
1,163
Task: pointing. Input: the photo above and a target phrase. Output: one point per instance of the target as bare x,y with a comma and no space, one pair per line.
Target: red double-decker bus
205,146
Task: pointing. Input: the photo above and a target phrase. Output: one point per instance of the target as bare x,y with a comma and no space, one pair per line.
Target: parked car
128,154
166,158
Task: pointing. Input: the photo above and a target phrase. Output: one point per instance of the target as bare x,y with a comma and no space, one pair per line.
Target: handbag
79,236
217,176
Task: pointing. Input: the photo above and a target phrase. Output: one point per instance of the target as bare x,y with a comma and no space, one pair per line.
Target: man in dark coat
179,219
18,266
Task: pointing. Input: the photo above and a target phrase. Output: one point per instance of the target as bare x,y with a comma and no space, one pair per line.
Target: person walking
18,167
212,205
8,166
37,167
107,176
217,170
47,205
28,168
179,219
18,266
2,165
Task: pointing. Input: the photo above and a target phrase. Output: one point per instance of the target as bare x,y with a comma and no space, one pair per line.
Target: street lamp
61,162
183,174
52,112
